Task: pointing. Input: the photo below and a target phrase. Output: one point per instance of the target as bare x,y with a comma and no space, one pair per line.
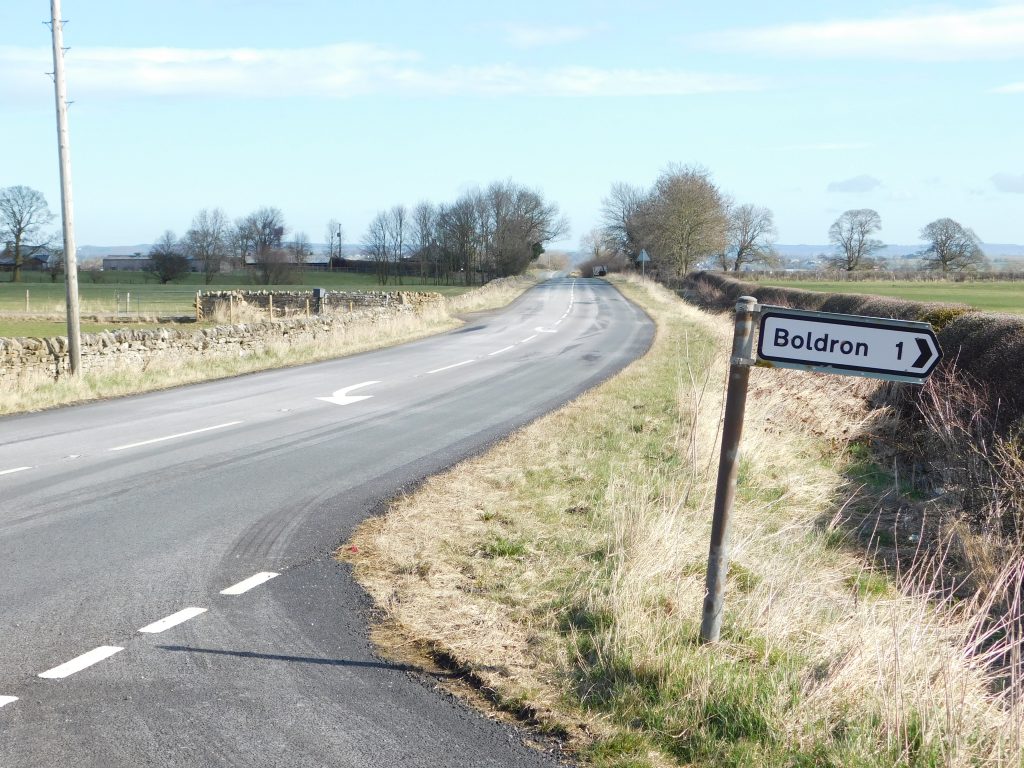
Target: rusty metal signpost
851,345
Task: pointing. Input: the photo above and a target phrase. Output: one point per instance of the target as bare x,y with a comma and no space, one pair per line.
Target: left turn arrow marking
342,396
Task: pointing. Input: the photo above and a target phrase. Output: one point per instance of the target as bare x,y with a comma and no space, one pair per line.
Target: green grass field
990,296
109,293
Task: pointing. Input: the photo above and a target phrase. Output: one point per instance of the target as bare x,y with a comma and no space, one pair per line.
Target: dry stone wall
290,303
134,348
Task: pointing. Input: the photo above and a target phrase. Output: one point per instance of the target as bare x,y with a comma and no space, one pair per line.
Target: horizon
329,112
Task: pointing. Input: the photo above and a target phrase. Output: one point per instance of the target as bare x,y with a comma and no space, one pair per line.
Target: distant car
600,271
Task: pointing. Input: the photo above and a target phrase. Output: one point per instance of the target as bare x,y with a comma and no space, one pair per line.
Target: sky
340,109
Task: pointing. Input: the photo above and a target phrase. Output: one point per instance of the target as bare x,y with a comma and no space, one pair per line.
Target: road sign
853,345
643,257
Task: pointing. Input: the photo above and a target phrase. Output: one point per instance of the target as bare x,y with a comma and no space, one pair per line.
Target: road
124,525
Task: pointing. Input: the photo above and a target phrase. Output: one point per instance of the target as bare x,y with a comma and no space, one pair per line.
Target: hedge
988,347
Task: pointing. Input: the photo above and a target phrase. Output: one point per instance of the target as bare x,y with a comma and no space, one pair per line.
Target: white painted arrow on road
342,396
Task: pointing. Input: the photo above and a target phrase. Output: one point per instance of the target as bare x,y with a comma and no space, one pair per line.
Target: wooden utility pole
67,210
728,467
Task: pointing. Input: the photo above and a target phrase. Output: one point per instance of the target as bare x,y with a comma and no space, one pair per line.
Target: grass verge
564,570
36,392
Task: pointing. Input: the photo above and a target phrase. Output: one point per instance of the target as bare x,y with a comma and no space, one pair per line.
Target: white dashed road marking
173,620
83,661
252,581
172,437
528,338
5,700
503,349
449,367
12,471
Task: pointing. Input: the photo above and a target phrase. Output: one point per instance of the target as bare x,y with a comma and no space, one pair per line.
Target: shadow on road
293,659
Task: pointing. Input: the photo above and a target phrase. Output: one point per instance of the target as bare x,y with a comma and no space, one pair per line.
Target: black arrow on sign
926,353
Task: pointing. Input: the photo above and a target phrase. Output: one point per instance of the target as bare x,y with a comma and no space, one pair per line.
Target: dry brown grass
565,569
38,391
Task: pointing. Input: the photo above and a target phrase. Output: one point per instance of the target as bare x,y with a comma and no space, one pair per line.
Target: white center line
449,367
5,700
252,581
173,620
172,437
12,471
503,349
83,661
528,338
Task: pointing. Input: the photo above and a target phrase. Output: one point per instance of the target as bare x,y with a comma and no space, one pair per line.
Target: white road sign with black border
854,345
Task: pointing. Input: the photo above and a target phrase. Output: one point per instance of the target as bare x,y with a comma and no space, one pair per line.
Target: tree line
492,232
213,241
684,221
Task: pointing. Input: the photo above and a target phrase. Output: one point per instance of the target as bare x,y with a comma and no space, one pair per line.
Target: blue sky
331,109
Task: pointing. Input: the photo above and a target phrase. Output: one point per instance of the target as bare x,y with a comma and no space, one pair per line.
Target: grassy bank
564,571
989,296
38,392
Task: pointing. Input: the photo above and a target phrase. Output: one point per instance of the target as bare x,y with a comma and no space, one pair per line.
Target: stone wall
291,303
136,347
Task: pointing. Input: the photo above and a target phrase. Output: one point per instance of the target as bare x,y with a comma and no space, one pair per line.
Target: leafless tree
299,249
751,237
423,237
23,213
595,246
686,220
335,237
622,219
519,223
55,266
275,267
262,230
952,247
457,226
207,241
398,235
851,234
167,260
376,242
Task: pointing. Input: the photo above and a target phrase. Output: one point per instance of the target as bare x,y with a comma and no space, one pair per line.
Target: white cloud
991,33
531,36
1009,182
1010,88
331,72
862,183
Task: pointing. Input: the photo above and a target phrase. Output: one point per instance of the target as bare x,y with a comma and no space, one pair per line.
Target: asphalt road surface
168,594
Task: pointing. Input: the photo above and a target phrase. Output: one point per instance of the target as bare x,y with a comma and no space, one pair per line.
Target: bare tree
299,249
398,225
335,237
23,213
376,242
207,241
167,260
262,230
55,266
596,247
622,219
519,222
851,234
423,237
952,247
751,237
687,219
